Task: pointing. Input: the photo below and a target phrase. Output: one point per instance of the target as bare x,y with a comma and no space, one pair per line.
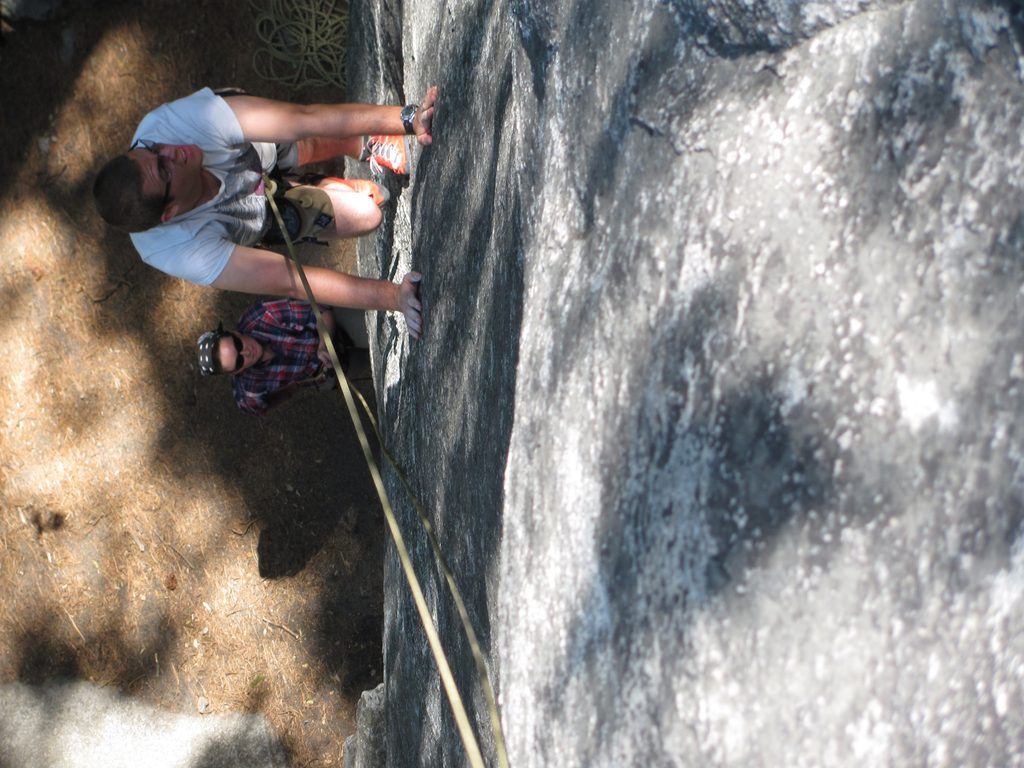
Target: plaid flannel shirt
289,328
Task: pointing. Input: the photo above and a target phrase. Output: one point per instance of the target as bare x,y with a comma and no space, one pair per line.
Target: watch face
408,113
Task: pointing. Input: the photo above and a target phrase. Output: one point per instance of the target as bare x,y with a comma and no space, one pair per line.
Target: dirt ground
153,537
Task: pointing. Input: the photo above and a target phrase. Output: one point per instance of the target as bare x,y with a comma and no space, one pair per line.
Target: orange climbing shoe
379,194
393,153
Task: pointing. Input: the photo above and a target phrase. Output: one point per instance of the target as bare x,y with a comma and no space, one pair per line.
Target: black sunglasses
161,165
239,360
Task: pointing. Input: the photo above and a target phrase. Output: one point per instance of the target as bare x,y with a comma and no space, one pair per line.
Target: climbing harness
305,210
469,740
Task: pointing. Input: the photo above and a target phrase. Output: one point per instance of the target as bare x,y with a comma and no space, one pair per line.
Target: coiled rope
303,42
469,740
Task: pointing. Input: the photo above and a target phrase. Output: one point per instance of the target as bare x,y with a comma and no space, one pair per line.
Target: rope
469,741
303,42
460,606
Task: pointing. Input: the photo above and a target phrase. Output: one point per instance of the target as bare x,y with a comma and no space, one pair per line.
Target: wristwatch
408,114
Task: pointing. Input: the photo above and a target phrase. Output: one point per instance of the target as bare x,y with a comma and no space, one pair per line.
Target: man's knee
360,216
355,211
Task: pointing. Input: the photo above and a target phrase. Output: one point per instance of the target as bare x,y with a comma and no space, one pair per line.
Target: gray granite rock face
367,747
719,409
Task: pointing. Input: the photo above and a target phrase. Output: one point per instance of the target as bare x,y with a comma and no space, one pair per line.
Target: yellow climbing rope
462,722
299,37
449,577
303,42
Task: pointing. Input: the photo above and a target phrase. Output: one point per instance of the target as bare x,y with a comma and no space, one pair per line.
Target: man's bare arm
280,121
253,270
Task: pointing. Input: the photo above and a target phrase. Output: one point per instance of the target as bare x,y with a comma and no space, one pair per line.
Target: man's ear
169,212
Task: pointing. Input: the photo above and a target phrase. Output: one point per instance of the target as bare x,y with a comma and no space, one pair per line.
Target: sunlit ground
138,506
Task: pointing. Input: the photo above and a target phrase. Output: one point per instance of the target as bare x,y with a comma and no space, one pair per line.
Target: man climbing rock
191,191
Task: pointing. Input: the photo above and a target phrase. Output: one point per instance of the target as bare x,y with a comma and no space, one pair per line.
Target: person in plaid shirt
275,351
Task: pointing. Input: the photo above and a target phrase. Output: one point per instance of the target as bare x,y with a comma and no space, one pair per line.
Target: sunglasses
162,166
239,359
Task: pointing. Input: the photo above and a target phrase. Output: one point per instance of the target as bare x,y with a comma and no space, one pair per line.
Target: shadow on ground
299,472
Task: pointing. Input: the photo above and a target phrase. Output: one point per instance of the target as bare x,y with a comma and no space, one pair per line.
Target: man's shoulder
202,96
252,317
187,232
172,111
291,308
281,313
202,118
250,391
193,248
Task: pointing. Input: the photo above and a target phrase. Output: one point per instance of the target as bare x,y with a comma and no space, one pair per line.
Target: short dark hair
119,199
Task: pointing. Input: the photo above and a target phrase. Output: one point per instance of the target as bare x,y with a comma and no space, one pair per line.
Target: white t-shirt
196,245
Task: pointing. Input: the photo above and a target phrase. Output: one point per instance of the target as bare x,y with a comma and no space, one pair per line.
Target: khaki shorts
306,211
